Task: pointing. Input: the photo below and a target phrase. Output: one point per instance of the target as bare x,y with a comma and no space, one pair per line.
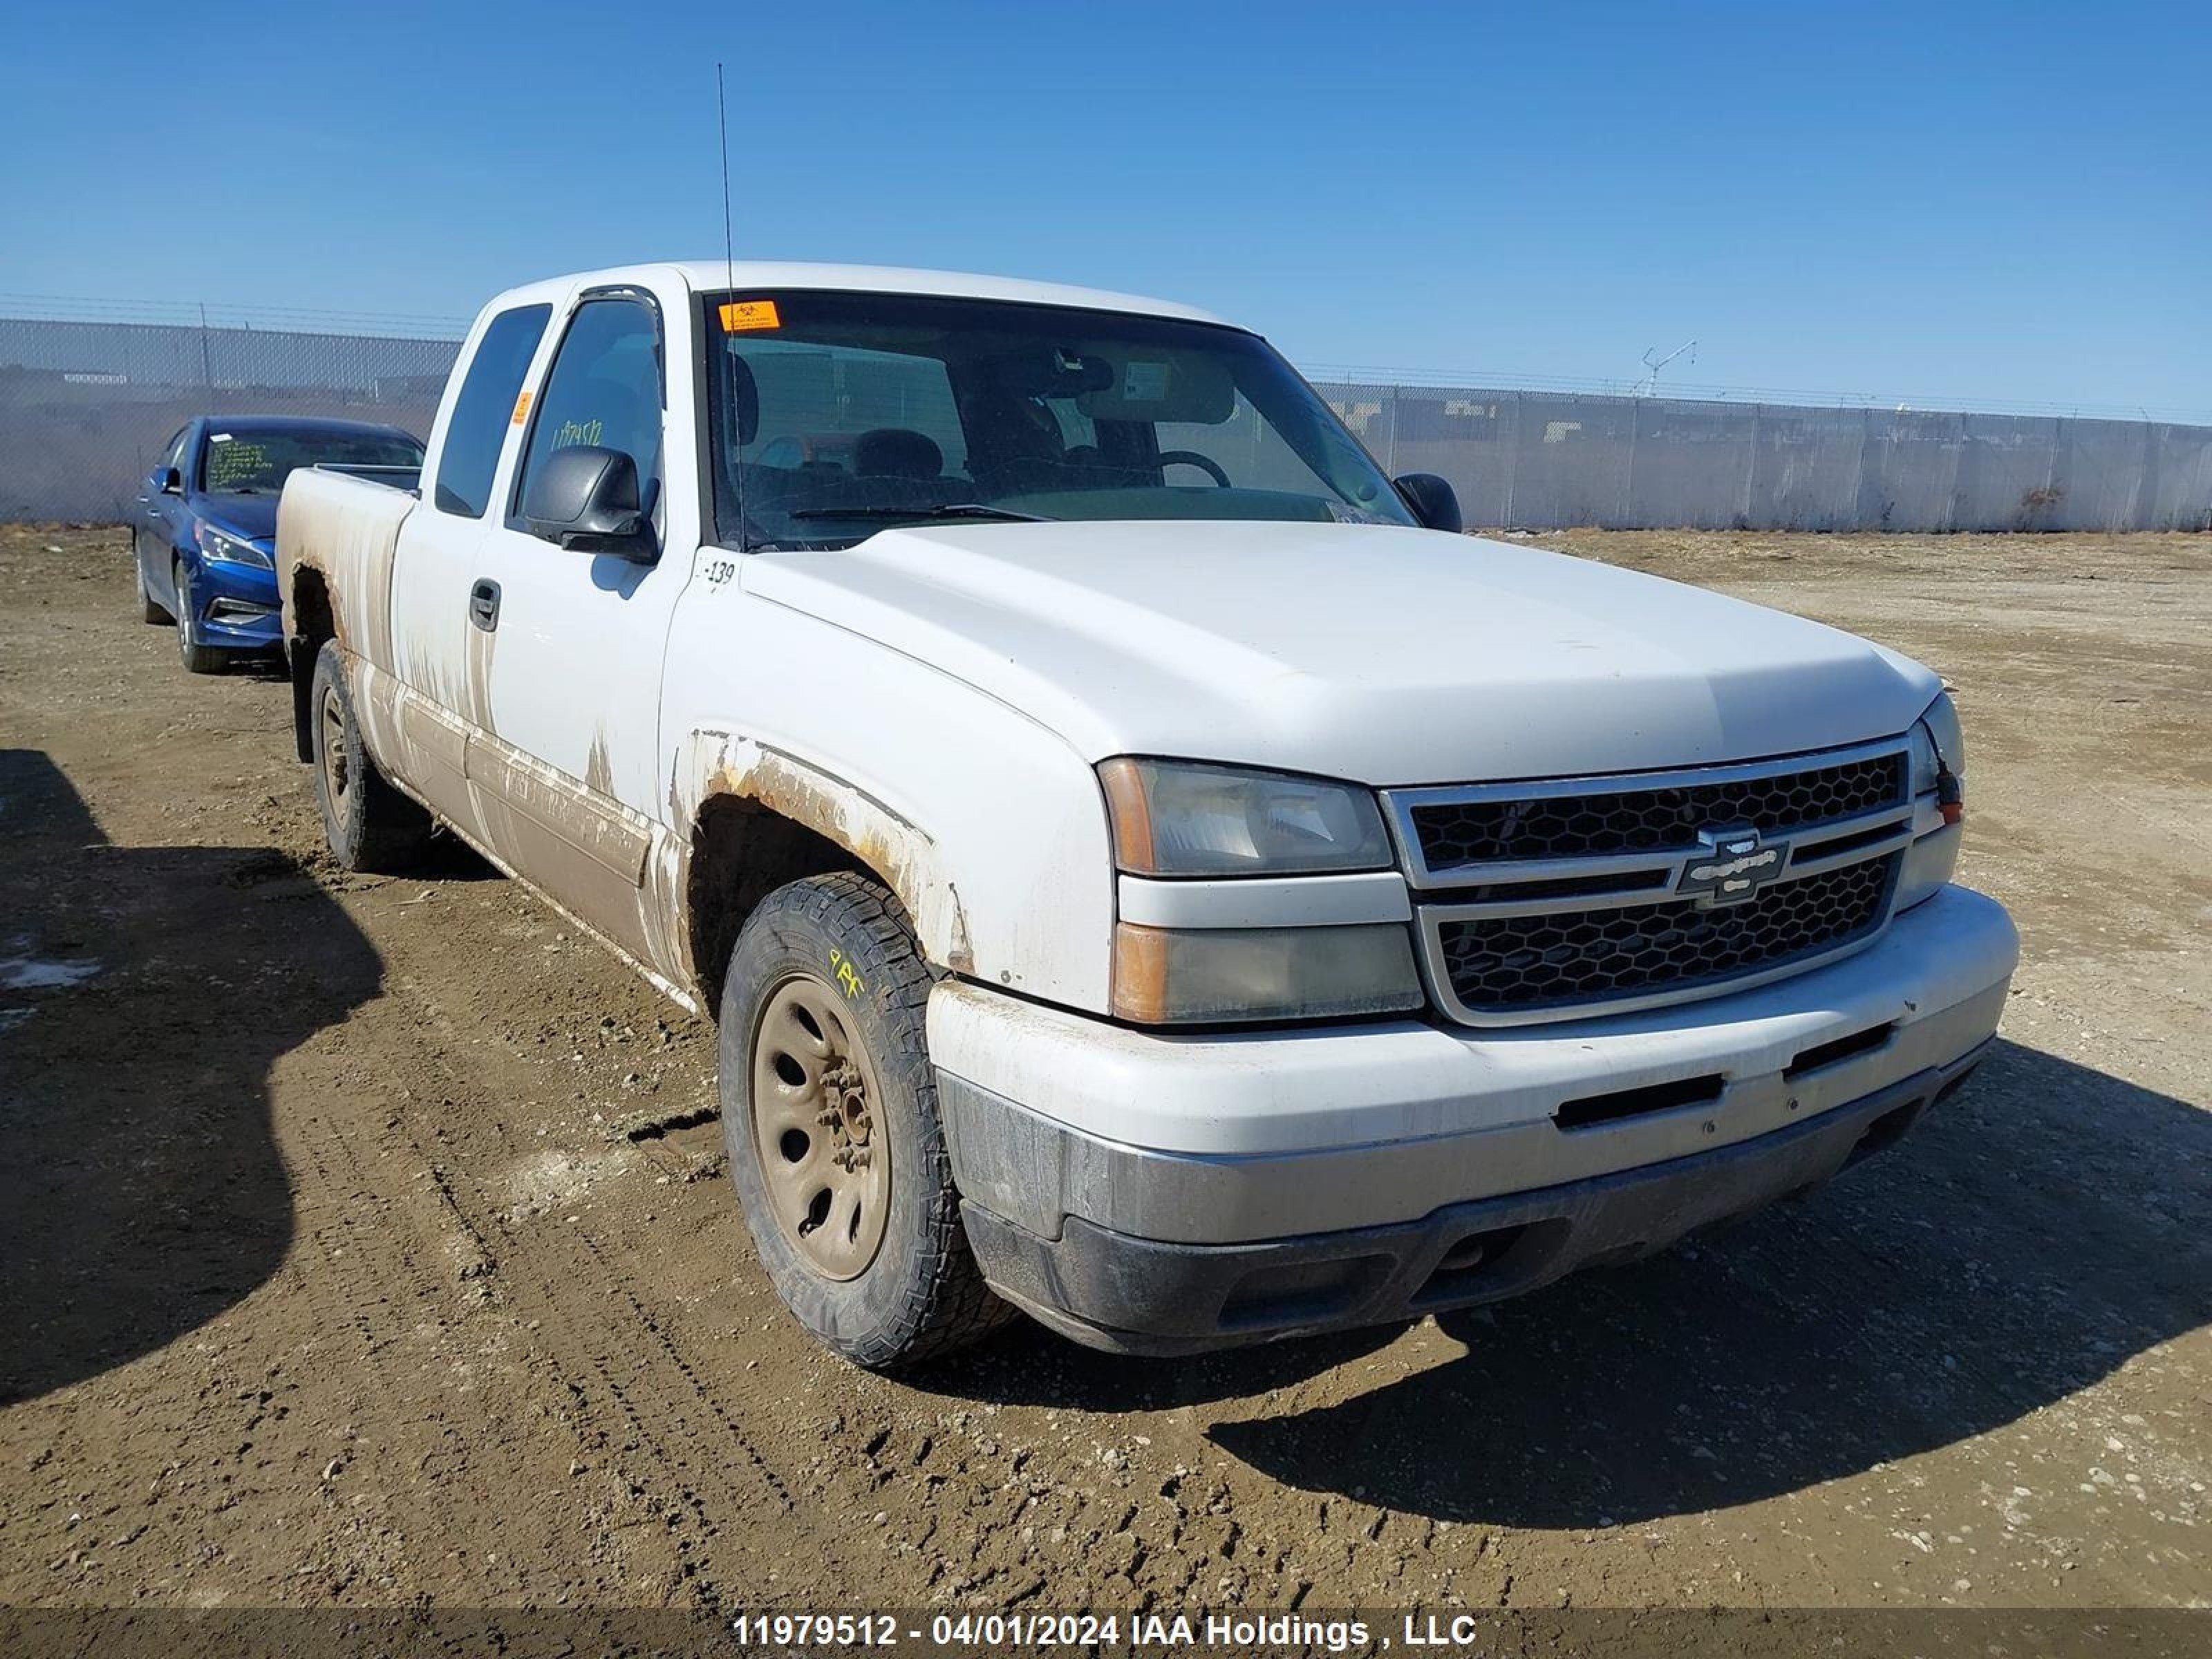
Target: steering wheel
1192,458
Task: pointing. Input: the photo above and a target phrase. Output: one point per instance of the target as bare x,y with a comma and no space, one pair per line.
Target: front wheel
829,1114
197,659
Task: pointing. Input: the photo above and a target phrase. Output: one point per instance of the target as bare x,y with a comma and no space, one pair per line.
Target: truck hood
1386,655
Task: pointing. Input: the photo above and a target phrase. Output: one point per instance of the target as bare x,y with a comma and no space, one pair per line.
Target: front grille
1565,897
1627,818
1533,963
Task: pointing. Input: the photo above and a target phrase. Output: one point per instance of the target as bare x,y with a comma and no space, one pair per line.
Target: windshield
256,460
835,415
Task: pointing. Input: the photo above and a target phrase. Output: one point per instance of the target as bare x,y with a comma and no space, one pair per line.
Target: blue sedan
206,533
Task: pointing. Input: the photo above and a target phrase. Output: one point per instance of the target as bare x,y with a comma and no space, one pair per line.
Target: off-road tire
369,824
922,1295
150,609
196,658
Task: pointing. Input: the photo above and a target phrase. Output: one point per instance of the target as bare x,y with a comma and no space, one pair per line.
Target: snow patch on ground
29,974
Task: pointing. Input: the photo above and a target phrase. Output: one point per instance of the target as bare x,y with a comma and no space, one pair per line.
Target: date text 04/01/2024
999,1631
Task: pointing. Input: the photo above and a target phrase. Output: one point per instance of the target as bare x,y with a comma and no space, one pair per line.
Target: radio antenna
723,123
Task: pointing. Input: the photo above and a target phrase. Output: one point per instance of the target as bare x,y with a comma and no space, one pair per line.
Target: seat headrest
745,397
892,452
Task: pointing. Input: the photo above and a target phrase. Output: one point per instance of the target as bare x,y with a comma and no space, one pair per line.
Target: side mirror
584,497
173,481
1434,502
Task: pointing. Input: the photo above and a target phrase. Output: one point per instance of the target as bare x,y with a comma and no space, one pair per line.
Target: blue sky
1991,202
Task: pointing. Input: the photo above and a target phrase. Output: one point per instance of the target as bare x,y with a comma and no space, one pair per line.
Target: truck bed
336,537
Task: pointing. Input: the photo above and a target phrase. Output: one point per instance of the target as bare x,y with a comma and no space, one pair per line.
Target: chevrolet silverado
1147,868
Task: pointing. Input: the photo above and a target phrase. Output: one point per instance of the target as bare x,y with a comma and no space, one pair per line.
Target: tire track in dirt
369,1269
663,1393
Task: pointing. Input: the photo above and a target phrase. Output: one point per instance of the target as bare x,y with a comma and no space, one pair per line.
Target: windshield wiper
956,510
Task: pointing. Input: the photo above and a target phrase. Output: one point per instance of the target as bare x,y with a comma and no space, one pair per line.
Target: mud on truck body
1147,868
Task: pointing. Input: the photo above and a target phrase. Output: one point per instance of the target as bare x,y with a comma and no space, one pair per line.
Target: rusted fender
898,851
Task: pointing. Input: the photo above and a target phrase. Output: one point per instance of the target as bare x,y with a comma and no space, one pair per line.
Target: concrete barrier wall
1539,459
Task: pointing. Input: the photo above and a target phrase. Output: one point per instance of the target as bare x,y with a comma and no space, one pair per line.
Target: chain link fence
87,401
86,405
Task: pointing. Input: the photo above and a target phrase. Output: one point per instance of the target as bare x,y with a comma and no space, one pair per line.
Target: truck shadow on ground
2026,1240
144,994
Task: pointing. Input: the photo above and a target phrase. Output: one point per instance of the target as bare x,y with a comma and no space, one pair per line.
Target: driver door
566,770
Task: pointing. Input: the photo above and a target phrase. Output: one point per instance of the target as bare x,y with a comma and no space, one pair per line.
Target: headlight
1167,976
1938,745
1178,819
232,550
1183,818
1939,770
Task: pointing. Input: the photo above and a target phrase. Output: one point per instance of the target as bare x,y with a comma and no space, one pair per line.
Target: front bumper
235,605
1107,1290
1269,1184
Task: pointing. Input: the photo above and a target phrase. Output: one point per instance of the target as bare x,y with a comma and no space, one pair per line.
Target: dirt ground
366,1240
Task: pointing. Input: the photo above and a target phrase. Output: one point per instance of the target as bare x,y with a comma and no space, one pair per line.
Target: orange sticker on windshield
521,408
739,315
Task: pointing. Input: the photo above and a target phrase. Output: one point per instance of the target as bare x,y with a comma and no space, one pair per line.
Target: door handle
483,603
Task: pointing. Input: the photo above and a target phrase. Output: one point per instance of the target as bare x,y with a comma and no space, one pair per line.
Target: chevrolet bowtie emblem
1731,866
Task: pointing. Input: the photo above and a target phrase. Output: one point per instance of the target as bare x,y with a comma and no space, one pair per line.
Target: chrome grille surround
1826,812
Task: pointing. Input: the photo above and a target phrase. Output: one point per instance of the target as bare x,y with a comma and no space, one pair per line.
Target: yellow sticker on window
739,315
521,408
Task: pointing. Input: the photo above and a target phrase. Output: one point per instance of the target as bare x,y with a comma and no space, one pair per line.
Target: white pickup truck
1144,873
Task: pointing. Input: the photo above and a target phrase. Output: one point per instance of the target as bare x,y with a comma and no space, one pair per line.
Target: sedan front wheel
197,659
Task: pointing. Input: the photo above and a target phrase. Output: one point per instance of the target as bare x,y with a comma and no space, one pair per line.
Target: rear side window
485,408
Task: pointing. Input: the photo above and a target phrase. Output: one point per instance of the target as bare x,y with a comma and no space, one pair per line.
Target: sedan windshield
836,415
249,460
